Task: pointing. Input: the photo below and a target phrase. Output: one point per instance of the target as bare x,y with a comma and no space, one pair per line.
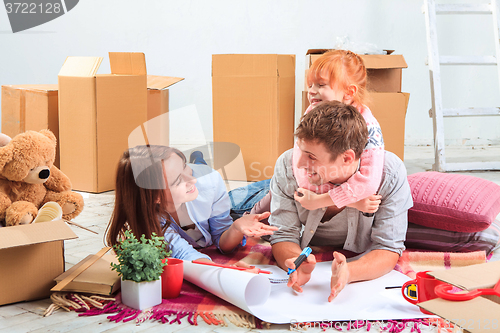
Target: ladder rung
467,60
471,112
472,166
484,8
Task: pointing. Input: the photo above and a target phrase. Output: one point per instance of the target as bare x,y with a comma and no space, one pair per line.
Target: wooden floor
27,316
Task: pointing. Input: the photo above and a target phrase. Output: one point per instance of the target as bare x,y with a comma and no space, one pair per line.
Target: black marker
303,256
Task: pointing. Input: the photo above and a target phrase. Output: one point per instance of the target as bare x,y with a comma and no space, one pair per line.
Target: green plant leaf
140,260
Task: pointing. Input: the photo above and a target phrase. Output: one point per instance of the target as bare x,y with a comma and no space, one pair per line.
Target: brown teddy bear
28,178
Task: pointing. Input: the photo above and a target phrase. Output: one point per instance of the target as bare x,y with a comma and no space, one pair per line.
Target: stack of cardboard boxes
253,108
94,117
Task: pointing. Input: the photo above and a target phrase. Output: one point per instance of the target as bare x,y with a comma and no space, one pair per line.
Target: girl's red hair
343,68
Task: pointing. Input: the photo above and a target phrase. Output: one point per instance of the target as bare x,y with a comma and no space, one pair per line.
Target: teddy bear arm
5,203
58,181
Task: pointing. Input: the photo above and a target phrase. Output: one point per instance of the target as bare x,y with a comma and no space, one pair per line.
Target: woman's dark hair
140,193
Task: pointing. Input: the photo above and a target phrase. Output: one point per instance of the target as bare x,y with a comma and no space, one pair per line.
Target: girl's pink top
365,181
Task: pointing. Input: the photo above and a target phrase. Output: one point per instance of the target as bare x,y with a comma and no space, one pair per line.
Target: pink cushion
453,202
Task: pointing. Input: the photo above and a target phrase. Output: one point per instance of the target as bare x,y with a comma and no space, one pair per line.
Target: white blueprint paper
268,298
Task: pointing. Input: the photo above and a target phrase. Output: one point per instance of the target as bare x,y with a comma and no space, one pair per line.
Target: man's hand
310,200
367,205
340,275
250,225
303,274
250,269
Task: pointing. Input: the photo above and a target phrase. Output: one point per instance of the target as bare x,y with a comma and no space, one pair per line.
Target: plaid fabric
432,239
194,302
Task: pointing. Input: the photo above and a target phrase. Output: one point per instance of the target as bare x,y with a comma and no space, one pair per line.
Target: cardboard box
157,127
480,314
390,111
97,279
31,256
253,107
386,101
30,107
101,114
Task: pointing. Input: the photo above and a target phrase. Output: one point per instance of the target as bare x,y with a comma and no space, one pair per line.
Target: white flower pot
141,295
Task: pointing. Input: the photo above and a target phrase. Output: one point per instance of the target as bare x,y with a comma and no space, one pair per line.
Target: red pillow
453,202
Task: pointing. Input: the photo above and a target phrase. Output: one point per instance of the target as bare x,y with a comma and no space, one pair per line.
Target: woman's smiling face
180,181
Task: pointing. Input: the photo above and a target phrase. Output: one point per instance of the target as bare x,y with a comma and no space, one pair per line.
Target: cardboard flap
80,66
156,82
127,63
34,233
321,51
477,315
378,61
99,272
471,277
36,87
317,51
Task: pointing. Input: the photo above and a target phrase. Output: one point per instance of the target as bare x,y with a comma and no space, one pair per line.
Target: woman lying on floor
157,191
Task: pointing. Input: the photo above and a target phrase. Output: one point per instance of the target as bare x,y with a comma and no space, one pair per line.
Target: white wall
179,37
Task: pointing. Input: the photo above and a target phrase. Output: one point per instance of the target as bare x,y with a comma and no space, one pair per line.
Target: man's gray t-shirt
386,229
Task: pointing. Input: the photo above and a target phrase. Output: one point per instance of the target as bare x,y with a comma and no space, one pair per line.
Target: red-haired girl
341,75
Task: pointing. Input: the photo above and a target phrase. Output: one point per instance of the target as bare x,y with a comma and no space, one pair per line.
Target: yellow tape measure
411,291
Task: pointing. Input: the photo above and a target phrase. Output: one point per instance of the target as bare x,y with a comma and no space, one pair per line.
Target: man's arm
388,230
285,250
285,215
370,266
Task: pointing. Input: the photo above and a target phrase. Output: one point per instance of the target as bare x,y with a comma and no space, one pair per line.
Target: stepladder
438,112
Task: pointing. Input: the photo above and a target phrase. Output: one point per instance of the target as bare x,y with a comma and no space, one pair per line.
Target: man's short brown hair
338,126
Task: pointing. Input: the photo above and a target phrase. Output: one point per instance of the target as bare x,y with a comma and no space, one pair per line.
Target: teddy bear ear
6,154
4,139
49,134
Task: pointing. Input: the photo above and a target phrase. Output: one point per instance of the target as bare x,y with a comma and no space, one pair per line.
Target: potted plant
140,267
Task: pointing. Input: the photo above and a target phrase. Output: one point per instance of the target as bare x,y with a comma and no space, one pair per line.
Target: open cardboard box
30,107
480,314
99,112
387,103
31,256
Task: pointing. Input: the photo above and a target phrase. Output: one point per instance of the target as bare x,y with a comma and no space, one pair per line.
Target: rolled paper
49,212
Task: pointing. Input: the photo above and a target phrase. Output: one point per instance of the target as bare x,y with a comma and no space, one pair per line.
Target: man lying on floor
332,155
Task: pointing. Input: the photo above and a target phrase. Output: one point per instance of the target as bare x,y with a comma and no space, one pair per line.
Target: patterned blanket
194,302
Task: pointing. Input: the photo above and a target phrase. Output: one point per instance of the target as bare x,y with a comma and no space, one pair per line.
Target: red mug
421,289
171,278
